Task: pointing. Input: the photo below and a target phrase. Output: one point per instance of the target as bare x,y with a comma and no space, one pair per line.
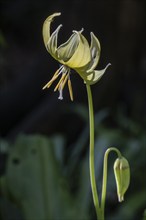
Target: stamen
70,89
61,69
65,71
55,76
60,81
64,82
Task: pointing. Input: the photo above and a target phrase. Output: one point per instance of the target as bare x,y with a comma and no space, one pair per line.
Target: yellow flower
73,54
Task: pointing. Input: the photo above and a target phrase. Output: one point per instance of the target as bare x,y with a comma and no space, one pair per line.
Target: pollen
64,71
55,76
60,82
70,89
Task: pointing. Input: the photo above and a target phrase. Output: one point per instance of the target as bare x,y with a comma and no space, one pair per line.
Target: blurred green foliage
49,180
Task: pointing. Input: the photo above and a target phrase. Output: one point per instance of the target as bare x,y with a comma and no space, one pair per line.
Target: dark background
25,65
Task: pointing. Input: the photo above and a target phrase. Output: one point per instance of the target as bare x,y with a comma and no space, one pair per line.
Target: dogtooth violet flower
122,176
75,54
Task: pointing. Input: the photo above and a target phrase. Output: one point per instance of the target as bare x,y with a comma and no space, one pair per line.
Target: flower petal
46,27
81,55
52,43
95,50
65,51
95,76
95,54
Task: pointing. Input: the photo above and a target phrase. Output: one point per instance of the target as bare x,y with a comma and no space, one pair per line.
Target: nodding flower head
75,54
122,176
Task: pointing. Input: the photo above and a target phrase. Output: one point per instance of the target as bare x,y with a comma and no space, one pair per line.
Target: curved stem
104,182
91,156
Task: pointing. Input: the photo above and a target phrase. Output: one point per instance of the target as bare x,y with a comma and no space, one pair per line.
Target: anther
55,76
60,81
65,80
70,89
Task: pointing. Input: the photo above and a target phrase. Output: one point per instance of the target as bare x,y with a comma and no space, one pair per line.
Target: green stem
104,182
91,156
99,209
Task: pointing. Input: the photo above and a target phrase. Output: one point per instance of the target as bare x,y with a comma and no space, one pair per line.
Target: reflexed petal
81,55
46,27
95,53
52,43
65,51
96,75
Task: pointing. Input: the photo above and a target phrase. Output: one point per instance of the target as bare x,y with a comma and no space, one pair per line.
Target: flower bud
122,176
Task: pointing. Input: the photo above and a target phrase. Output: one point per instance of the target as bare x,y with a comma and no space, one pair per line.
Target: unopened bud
122,176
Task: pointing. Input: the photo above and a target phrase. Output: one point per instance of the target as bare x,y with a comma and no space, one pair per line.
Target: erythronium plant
76,54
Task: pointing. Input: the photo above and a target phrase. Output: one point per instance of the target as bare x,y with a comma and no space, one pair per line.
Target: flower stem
91,156
99,207
104,182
